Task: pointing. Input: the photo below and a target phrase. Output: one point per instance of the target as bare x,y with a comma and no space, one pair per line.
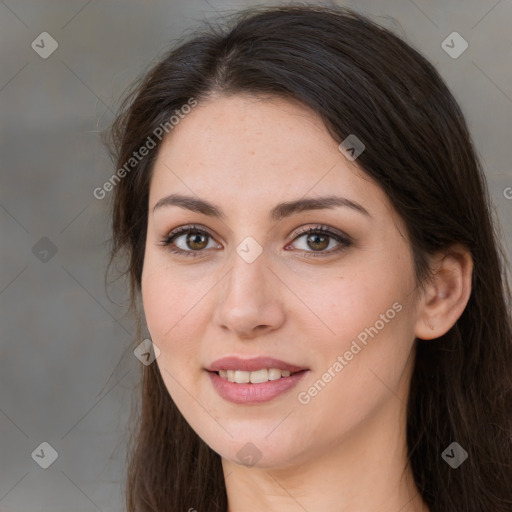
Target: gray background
67,368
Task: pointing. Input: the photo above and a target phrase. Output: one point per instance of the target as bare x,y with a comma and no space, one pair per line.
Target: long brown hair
362,79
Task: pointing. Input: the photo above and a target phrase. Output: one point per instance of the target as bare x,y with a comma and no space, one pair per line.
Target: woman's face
340,305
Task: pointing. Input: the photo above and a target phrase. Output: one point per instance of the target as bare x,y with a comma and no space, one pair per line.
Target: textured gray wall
67,371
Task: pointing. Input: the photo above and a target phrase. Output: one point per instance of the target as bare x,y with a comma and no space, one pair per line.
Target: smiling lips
246,381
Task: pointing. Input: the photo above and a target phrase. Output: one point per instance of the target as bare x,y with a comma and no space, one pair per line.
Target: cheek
167,324
157,298
366,357
166,295
367,315
372,318
355,299
164,301
174,307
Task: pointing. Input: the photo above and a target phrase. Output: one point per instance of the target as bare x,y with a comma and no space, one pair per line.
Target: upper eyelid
322,228
183,230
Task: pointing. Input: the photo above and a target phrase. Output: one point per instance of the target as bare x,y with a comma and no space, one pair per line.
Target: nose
250,302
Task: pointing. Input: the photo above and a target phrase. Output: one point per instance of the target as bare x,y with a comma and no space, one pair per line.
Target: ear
447,295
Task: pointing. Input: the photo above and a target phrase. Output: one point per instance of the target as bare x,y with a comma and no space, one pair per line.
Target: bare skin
303,300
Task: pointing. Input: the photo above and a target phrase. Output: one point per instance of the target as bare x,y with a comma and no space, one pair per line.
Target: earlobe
447,295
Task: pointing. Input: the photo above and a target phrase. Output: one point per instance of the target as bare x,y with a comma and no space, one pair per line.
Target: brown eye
314,241
317,242
197,241
189,241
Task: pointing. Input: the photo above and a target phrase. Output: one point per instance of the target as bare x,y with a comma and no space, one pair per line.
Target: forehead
245,131
252,151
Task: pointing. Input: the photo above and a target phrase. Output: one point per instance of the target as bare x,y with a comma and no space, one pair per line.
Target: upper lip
251,365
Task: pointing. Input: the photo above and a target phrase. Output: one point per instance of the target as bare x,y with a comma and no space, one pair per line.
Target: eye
192,241
318,239
189,241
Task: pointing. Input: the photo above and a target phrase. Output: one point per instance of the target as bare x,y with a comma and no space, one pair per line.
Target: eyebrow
277,213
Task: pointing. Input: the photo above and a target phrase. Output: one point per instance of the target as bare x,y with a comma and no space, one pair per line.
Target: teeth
257,377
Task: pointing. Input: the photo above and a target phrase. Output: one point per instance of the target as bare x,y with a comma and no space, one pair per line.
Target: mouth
251,381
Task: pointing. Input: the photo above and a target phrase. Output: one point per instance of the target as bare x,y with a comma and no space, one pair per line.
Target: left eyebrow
280,211
288,208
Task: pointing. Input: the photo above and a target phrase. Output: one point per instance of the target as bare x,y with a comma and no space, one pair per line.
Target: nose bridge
248,275
248,300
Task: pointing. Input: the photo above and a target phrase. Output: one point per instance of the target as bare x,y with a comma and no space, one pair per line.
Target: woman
308,226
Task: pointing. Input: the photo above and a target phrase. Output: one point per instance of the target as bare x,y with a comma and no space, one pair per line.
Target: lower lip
254,393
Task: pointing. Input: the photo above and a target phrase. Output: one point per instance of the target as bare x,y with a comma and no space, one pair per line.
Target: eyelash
324,230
